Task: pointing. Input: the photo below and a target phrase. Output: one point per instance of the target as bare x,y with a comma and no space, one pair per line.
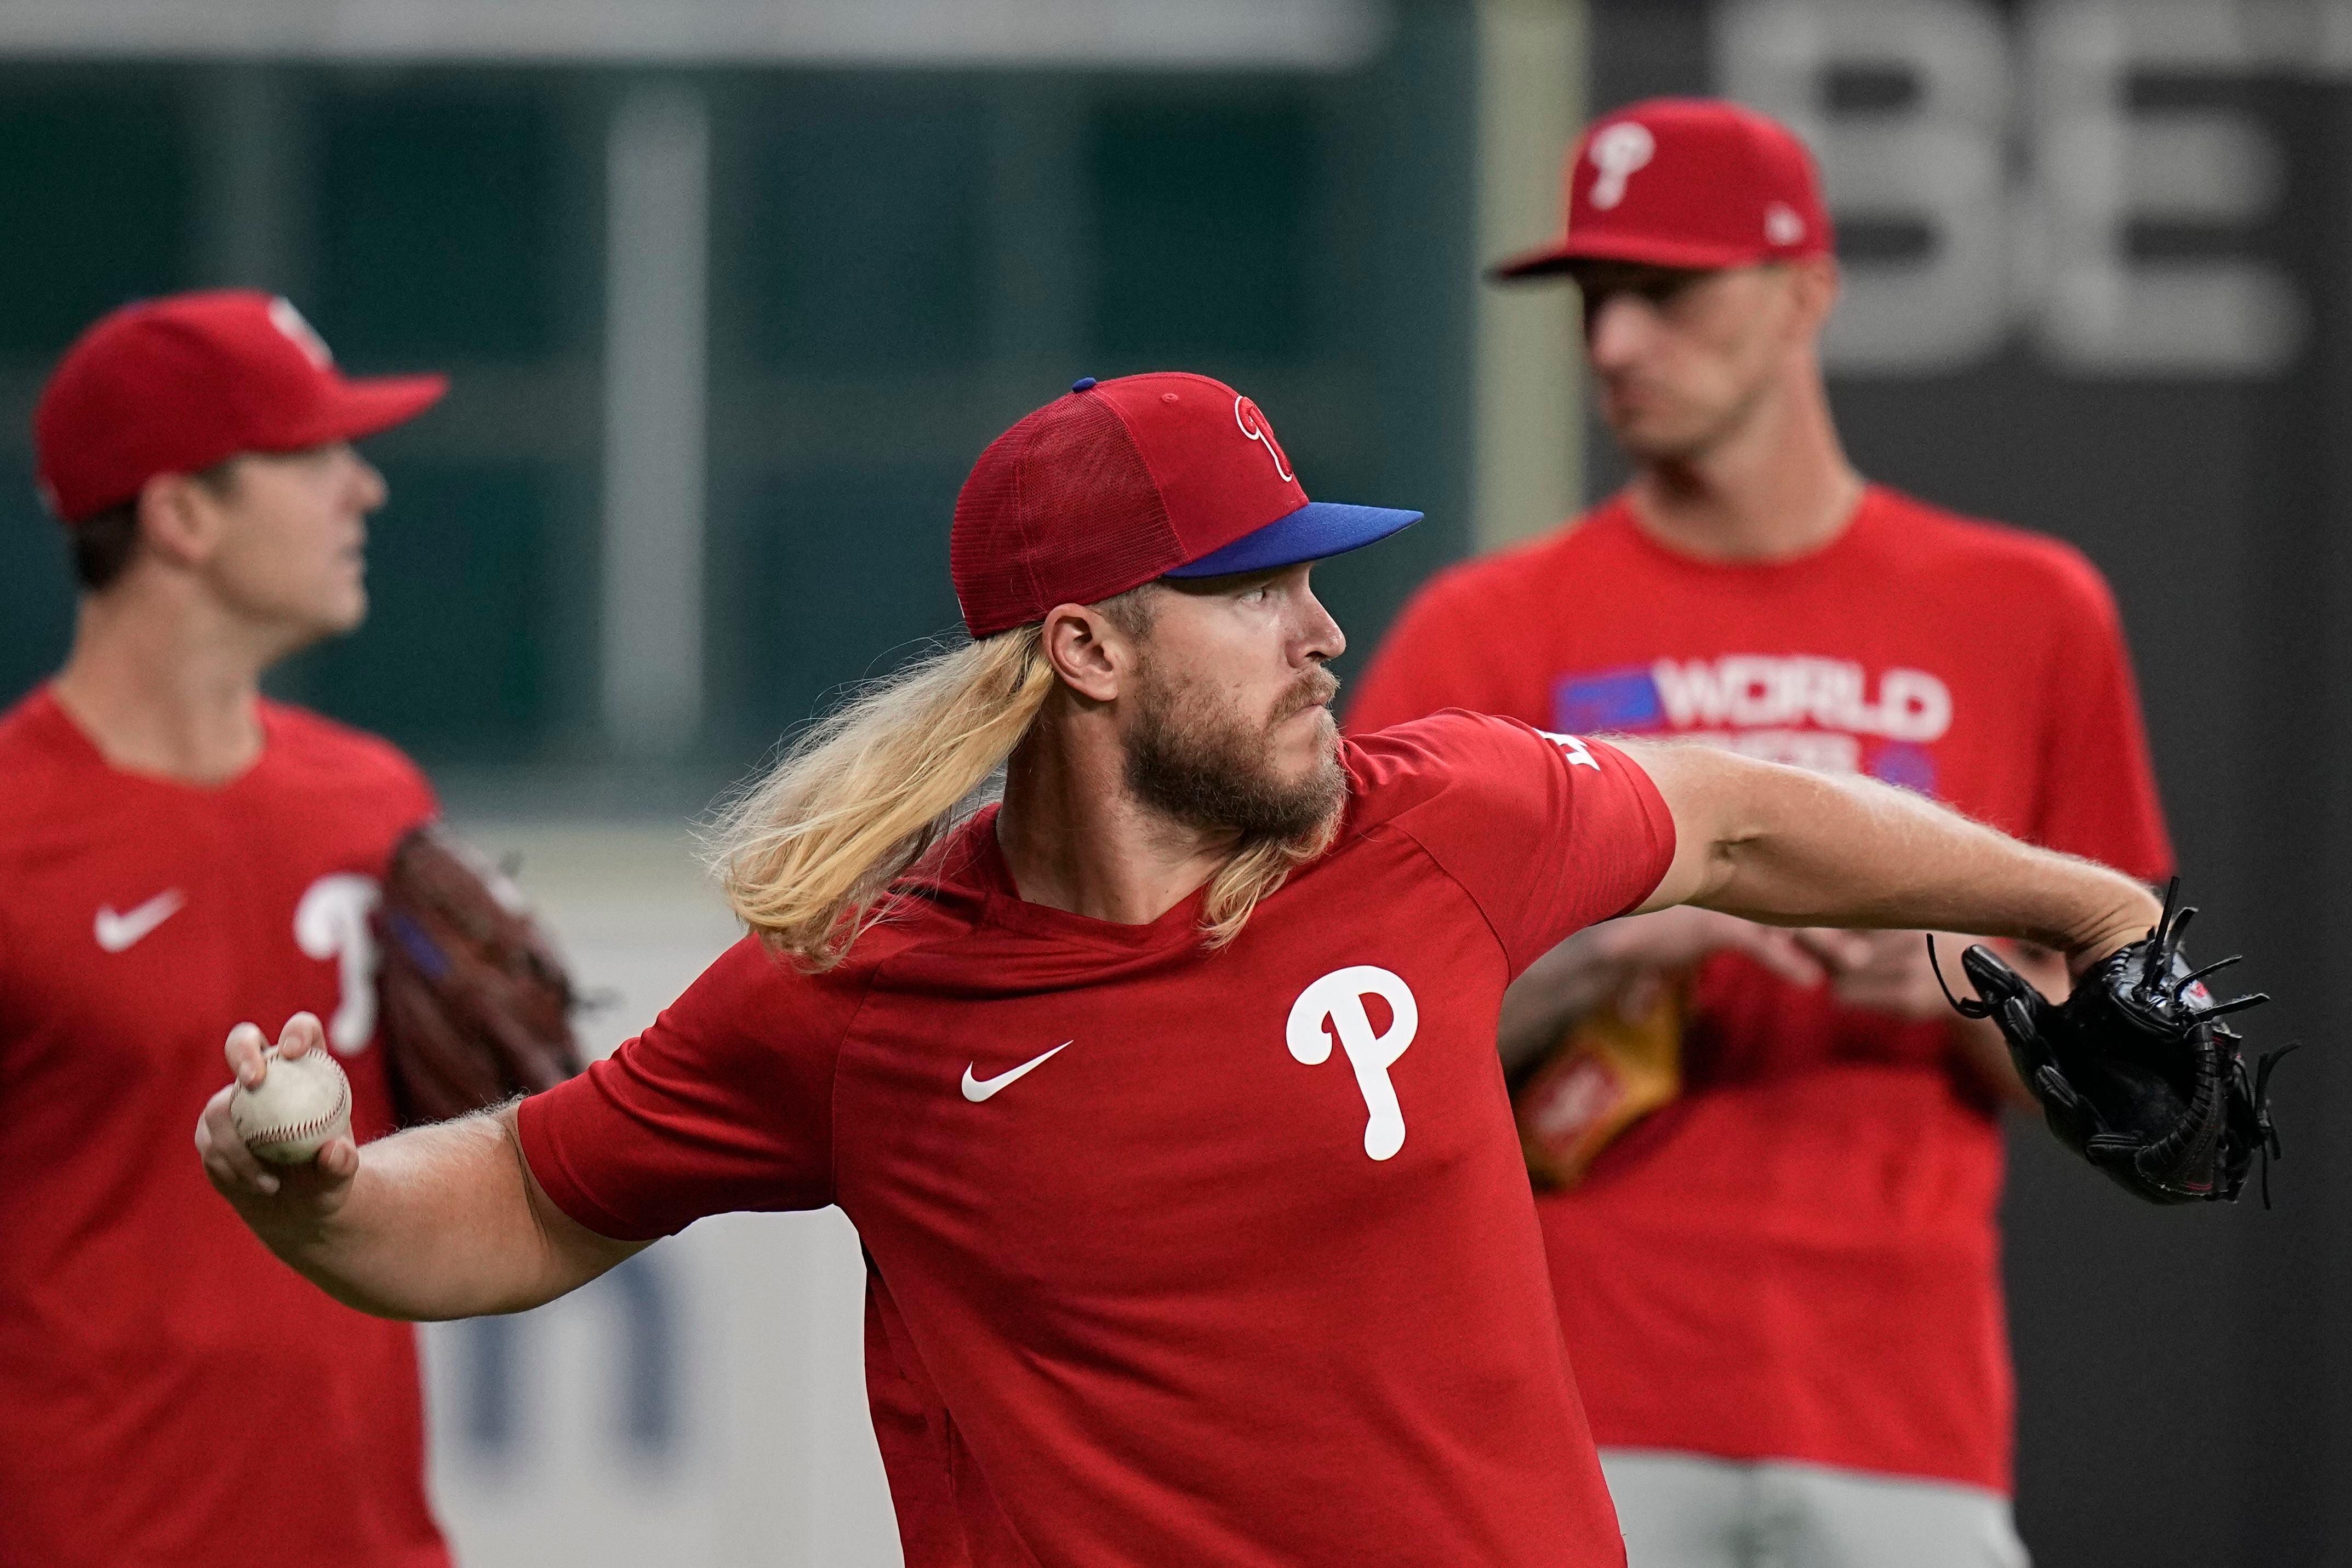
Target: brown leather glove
476,1006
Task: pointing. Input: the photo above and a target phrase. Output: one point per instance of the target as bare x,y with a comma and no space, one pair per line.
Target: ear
179,520
1814,281
1092,656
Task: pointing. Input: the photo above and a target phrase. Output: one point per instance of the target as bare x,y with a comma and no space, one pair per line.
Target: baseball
301,1103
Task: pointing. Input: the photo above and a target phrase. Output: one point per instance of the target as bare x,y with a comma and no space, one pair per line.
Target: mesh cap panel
1061,509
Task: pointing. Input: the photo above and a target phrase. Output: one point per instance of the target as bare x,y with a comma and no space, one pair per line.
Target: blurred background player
1782,1287
177,853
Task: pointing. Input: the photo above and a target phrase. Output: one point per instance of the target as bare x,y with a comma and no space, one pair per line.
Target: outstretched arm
445,1221
1789,847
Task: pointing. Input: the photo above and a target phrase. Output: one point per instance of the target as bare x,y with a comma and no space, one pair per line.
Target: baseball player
1782,1289
1163,1094
176,853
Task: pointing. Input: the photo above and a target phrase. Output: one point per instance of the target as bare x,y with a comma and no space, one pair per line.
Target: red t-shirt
171,1394
1177,1256
1797,1259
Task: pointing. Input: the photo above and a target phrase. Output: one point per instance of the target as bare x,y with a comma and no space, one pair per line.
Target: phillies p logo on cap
288,321
1617,151
1255,426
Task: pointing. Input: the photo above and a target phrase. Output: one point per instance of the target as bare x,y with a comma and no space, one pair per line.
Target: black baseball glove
2135,1069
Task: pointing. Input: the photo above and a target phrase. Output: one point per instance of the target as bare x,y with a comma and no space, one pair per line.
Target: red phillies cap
1696,183
177,384
1165,475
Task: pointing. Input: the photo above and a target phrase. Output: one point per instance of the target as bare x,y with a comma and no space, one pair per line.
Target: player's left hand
2135,1070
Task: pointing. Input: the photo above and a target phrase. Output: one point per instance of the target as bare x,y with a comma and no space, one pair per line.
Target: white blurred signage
1290,33
2020,151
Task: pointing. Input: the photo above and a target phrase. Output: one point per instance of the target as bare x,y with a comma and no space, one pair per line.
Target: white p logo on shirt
1338,999
331,922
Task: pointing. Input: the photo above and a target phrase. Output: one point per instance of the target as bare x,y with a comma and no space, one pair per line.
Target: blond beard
1204,769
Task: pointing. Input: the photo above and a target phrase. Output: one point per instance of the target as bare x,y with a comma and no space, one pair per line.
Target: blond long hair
808,853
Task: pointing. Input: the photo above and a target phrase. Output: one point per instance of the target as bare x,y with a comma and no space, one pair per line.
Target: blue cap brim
1316,529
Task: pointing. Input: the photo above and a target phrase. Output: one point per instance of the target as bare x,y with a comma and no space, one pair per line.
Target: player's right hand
1676,938
270,1195
1598,963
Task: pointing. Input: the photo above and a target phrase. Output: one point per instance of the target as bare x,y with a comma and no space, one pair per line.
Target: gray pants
1690,1510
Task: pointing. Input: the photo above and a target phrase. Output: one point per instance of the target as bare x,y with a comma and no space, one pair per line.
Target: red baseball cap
1164,475
1699,183
177,384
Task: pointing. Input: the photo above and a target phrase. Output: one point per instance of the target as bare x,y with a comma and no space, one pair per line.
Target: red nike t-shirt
1797,1259
1179,1254
171,1394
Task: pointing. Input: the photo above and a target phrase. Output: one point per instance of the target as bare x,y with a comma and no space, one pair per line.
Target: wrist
303,1225
298,1238
2130,919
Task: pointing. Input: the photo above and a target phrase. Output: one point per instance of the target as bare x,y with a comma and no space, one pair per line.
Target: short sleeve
1547,833
725,1103
423,802
2097,796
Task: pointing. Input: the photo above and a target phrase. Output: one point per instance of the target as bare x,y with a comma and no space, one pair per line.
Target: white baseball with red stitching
301,1104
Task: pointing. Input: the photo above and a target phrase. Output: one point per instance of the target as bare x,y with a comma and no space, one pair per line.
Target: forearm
439,1222
1789,847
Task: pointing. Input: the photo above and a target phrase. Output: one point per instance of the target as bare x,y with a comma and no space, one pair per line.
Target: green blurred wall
901,263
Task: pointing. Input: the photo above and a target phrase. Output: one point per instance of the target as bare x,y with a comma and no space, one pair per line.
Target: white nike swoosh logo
117,931
978,1089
